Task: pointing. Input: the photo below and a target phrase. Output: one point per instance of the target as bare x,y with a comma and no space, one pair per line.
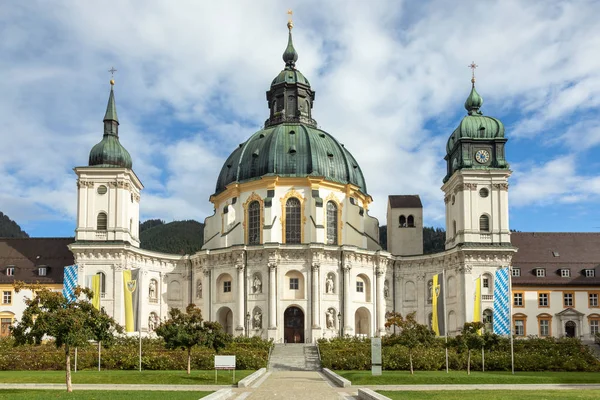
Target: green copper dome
109,152
475,125
291,150
291,145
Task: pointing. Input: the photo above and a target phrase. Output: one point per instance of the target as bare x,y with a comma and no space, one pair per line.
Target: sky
390,77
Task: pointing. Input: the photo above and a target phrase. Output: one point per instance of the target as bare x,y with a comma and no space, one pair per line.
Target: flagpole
445,317
139,289
510,304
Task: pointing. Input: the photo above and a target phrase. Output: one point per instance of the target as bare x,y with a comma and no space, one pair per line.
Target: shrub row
532,354
250,353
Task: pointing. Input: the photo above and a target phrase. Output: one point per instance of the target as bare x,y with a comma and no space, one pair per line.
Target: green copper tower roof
110,153
291,145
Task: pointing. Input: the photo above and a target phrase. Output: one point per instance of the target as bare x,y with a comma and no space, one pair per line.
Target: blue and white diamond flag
502,302
70,282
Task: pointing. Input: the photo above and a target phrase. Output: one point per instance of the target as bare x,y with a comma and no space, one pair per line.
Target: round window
102,189
483,192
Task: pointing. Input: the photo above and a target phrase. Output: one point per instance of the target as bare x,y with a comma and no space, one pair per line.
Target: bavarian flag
130,295
438,319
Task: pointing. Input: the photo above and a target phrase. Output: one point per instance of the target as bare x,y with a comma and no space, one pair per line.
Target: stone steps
294,357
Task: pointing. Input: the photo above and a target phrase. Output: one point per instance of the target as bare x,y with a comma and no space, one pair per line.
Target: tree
472,339
411,333
71,323
186,330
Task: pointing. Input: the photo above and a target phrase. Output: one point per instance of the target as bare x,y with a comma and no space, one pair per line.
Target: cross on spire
290,23
112,71
473,66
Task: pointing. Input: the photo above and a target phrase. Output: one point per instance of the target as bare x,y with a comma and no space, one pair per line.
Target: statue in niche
429,291
152,289
199,289
257,284
330,318
386,289
257,322
152,322
329,284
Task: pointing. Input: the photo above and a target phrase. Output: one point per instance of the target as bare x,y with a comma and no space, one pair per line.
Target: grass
461,377
494,394
126,377
18,394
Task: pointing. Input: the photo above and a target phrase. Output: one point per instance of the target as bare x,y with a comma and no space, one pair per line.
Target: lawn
127,377
461,377
494,395
18,394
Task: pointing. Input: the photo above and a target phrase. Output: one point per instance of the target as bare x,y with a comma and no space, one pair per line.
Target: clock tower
476,183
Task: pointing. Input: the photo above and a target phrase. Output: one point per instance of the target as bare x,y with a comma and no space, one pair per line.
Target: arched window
332,223
102,221
453,228
484,223
102,284
254,223
402,221
292,221
410,221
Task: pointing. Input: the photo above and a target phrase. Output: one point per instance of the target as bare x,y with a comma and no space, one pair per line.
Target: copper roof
26,255
554,251
405,201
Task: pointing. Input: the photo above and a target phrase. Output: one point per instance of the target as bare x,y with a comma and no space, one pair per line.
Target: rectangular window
516,272
294,283
10,271
565,273
544,327
360,287
518,299
486,283
540,272
519,327
568,299
226,286
590,273
593,299
594,326
543,299
42,271
7,297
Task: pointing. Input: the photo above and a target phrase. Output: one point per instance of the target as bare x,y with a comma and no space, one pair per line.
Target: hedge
531,354
251,353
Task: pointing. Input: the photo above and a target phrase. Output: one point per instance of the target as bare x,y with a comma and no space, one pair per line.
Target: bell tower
108,191
476,184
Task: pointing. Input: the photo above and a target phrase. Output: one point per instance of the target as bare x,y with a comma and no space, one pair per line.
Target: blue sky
390,78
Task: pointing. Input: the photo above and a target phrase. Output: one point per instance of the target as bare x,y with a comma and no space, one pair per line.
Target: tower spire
474,101
290,56
111,108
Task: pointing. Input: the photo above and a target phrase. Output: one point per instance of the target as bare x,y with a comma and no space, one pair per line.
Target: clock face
482,156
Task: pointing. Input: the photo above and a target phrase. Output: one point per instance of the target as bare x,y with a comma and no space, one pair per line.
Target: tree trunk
411,365
189,359
469,363
68,367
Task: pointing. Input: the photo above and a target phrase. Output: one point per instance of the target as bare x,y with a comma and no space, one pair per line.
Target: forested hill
434,239
177,237
10,229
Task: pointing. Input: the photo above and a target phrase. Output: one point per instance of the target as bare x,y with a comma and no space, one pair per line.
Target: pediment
567,312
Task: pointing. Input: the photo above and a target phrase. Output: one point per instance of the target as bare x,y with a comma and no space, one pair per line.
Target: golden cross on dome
290,23
473,66
112,71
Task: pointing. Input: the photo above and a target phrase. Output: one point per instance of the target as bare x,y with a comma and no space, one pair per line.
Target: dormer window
590,273
42,271
565,273
540,272
10,271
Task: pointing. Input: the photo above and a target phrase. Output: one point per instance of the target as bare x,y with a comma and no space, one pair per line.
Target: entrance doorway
293,322
570,327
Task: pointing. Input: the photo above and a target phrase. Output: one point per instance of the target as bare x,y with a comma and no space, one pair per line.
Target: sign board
376,356
224,362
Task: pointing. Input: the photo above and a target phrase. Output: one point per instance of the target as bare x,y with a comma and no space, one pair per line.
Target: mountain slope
177,237
10,229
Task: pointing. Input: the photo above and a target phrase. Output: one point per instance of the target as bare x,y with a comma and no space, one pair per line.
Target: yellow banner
96,290
129,327
477,302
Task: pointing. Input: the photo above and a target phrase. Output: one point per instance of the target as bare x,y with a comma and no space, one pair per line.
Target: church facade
291,252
